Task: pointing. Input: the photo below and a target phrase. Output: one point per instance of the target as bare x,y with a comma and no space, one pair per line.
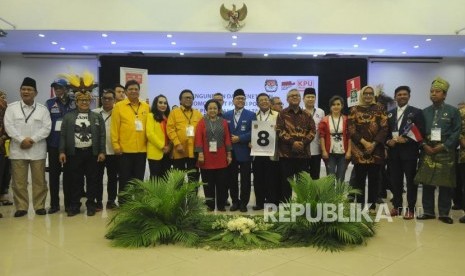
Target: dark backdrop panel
332,72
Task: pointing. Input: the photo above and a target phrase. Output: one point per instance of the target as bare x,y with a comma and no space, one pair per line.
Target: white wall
419,77
268,16
13,69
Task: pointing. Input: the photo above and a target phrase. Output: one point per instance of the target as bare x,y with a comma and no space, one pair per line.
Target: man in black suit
403,150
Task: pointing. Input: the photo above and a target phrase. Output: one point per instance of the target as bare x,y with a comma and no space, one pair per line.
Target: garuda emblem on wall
234,17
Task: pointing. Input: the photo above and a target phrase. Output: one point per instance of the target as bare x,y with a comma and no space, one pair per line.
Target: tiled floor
60,245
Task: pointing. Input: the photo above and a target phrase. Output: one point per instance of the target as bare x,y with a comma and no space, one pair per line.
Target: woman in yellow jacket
158,144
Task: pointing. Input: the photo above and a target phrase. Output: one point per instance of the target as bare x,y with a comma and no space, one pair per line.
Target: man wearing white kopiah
28,124
317,114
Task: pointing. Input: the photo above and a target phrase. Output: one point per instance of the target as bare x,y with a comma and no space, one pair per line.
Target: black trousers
244,169
158,168
5,174
187,164
214,187
314,166
289,168
82,163
397,169
458,191
111,163
361,172
132,166
266,181
54,172
461,172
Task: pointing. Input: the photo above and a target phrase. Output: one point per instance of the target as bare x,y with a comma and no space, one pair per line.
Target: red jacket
323,130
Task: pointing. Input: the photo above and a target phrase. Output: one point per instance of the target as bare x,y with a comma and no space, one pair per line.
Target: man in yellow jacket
180,129
128,135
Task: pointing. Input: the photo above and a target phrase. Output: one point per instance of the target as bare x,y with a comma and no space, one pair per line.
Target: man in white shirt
28,124
111,161
315,148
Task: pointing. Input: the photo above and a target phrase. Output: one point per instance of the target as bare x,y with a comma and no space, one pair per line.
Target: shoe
257,207
394,212
456,207
221,209
41,212
99,206
1,215
111,205
227,203
243,209
53,210
426,216
447,220
462,219
20,213
210,209
234,207
409,215
72,213
91,212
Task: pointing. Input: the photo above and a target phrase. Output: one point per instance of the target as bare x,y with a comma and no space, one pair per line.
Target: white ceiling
217,44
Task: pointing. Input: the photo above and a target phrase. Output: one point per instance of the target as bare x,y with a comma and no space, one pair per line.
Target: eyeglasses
83,101
263,100
239,98
278,104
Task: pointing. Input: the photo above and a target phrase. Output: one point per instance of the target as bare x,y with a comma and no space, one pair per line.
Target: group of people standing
125,132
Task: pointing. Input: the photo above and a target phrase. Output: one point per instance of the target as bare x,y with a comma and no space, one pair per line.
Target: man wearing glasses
82,145
295,129
276,104
240,126
111,160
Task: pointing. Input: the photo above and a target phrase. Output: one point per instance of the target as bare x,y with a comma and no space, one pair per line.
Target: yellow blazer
176,130
155,138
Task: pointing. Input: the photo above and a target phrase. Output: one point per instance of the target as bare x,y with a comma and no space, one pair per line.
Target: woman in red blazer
334,139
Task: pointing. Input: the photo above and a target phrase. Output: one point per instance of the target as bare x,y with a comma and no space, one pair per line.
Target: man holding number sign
265,164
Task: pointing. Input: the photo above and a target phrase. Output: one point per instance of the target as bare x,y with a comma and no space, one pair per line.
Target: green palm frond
324,235
161,210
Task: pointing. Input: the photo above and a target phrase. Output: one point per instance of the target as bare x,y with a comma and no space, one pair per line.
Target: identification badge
436,134
212,146
58,125
190,131
139,126
243,127
395,134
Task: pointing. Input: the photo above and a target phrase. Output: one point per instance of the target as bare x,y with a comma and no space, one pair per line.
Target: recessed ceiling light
404,53
62,48
416,46
364,38
113,42
234,37
41,35
381,51
169,35
428,39
294,45
54,42
315,55
265,55
181,54
234,44
299,38
173,43
104,35
85,47
355,45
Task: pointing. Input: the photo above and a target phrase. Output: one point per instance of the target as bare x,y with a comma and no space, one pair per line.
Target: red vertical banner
353,88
